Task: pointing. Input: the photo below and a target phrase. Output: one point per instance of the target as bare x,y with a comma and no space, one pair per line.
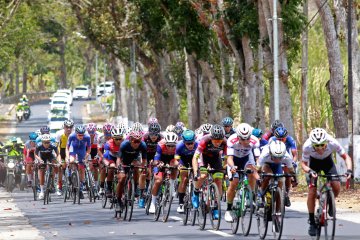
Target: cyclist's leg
110,175
182,185
29,171
158,178
173,175
121,183
41,174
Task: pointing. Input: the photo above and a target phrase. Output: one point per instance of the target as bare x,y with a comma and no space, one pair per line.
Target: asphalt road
60,220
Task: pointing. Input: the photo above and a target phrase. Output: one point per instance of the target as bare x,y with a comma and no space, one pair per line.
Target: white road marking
175,218
223,234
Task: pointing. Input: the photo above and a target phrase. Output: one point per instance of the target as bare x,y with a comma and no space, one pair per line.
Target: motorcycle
19,115
19,169
10,164
26,113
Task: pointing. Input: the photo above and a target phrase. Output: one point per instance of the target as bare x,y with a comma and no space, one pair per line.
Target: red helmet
135,134
91,128
107,127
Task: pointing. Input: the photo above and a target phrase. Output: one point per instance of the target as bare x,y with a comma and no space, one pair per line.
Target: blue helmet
227,121
33,136
80,129
257,132
45,130
281,132
188,135
276,124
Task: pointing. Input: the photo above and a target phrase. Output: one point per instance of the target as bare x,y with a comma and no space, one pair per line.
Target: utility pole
350,90
96,73
276,64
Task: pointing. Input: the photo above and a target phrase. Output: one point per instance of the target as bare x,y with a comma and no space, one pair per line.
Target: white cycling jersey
234,148
332,146
265,157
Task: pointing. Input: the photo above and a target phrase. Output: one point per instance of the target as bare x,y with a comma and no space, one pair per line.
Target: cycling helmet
80,129
13,139
277,149
178,130
318,136
128,130
198,131
38,132
135,134
121,125
244,131
170,128
152,120
33,136
137,127
45,137
170,138
188,135
227,121
257,132
107,128
68,123
180,125
217,132
154,128
117,132
205,128
45,130
91,128
99,128
276,124
281,132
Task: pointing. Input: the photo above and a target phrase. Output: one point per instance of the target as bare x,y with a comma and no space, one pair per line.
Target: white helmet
121,125
45,137
244,130
170,128
205,128
277,149
128,130
117,132
318,136
137,127
170,137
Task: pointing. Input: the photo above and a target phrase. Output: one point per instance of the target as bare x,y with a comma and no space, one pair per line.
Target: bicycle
75,182
49,181
165,197
243,206
148,194
90,184
67,186
189,214
325,215
35,183
209,200
113,198
274,209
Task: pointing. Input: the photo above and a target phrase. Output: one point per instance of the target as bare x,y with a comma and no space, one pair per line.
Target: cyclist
179,130
205,129
151,139
227,123
61,140
29,156
274,126
129,154
45,130
44,153
102,139
281,134
270,161
78,148
257,132
210,148
170,128
316,157
184,153
91,129
152,120
240,147
112,148
165,154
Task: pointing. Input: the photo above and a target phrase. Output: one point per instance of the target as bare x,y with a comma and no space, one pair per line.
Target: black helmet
217,132
80,129
154,128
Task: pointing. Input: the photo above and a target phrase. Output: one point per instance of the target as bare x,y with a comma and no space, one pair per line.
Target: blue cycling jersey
78,147
185,154
129,154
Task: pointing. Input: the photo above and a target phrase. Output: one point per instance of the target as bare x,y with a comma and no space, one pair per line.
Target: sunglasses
68,127
189,143
281,139
136,141
117,139
217,141
319,145
80,135
170,145
227,126
152,135
46,142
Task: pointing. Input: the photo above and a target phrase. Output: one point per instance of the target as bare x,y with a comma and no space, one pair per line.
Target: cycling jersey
211,155
38,140
231,132
151,146
29,151
243,155
163,153
289,143
331,146
111,150
78,147
267,135
94,145
265,158
127,153
183,154
46,154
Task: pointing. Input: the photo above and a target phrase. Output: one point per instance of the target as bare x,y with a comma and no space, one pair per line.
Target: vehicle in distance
105,88
82,92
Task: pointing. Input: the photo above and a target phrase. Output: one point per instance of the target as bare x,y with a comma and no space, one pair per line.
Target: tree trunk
11,84
17,77
226,81
335,85
192,98
260,91
304,80
116,76
142,103
24,79
63,78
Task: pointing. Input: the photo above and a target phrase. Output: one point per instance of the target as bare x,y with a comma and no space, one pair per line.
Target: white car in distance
59,103
82,92
105,88
67,93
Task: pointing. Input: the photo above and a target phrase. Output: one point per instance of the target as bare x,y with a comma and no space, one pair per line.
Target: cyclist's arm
348,162
195,162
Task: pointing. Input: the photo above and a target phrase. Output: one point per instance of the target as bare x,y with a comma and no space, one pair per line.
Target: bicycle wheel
76,186
278,212
236,212
215,200
35,184
47,187
187,204
330,216
167,201
149,196
158,205
262,218
125,198
104,199
130,197
247,209
88,185
202,211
